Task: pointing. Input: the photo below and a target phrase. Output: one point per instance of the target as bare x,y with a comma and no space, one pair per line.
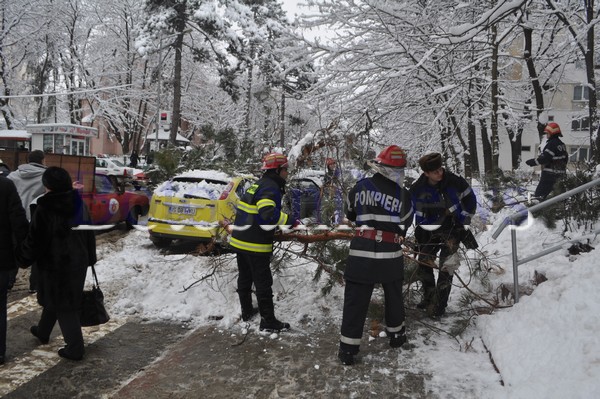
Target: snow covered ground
546,346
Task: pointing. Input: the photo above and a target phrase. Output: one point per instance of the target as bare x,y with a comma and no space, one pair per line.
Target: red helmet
553,129
329,161
274,161
392,156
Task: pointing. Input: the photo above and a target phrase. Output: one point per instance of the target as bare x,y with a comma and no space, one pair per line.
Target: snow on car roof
311,174
205,174
204,184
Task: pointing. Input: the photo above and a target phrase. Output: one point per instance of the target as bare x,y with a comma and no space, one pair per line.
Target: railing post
515,260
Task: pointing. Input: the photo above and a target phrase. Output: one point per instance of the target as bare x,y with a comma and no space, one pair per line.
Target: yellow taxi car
191,205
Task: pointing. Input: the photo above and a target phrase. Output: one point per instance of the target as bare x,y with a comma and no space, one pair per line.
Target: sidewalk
212,363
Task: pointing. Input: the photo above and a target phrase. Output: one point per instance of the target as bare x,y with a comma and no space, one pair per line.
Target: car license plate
182,210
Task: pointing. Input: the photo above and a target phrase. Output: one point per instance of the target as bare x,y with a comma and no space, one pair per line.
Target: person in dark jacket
382,210
13,229
331,201
4,169
553,160
444,204
63,254
28,179
133,159
257,217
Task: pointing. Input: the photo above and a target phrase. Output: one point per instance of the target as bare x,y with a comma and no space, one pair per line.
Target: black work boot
397,339
268,322
429,296
346,358
273,325
247,316
347,353
248,311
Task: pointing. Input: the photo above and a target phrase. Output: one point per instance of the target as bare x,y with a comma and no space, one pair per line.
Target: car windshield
192,187
118,163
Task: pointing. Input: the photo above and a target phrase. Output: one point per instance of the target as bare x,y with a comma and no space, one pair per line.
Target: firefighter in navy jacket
257,217
444,204
382,210
553,159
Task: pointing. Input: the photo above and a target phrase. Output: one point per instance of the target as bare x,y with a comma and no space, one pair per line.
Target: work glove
451,264
531,162
296,223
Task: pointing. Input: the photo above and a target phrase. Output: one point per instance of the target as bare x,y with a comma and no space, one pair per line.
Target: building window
581,93
578,154
526,148
581,123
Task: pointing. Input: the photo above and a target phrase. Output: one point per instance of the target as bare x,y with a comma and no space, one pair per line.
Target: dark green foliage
166,164
331,257
579,212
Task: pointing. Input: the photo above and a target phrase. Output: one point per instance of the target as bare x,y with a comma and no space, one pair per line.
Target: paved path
135,359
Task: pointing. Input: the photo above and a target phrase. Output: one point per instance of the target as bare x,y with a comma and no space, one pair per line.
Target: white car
111,166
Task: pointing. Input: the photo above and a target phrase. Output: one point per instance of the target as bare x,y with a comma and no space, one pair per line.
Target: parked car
191,205
110,203
111,166
303,193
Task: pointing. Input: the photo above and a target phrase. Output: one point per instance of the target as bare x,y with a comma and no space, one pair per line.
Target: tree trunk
178,47
487,147
533,77
472,167
249,84
591,80
495,144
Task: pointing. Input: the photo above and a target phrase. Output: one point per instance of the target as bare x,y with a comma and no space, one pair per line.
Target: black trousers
546,184
357,297
70,326
255,270
33,277
446,243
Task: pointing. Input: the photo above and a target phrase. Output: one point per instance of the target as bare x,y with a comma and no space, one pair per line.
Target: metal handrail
519,215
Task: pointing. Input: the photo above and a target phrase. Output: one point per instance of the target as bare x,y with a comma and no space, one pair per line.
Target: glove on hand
531,162
296,223
451,264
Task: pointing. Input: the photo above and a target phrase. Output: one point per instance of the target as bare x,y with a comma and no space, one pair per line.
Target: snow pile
546,346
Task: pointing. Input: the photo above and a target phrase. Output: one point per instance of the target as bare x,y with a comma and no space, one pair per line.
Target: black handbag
93,312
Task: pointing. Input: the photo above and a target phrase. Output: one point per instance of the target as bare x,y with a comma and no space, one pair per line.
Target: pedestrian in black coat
13,229
63,255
